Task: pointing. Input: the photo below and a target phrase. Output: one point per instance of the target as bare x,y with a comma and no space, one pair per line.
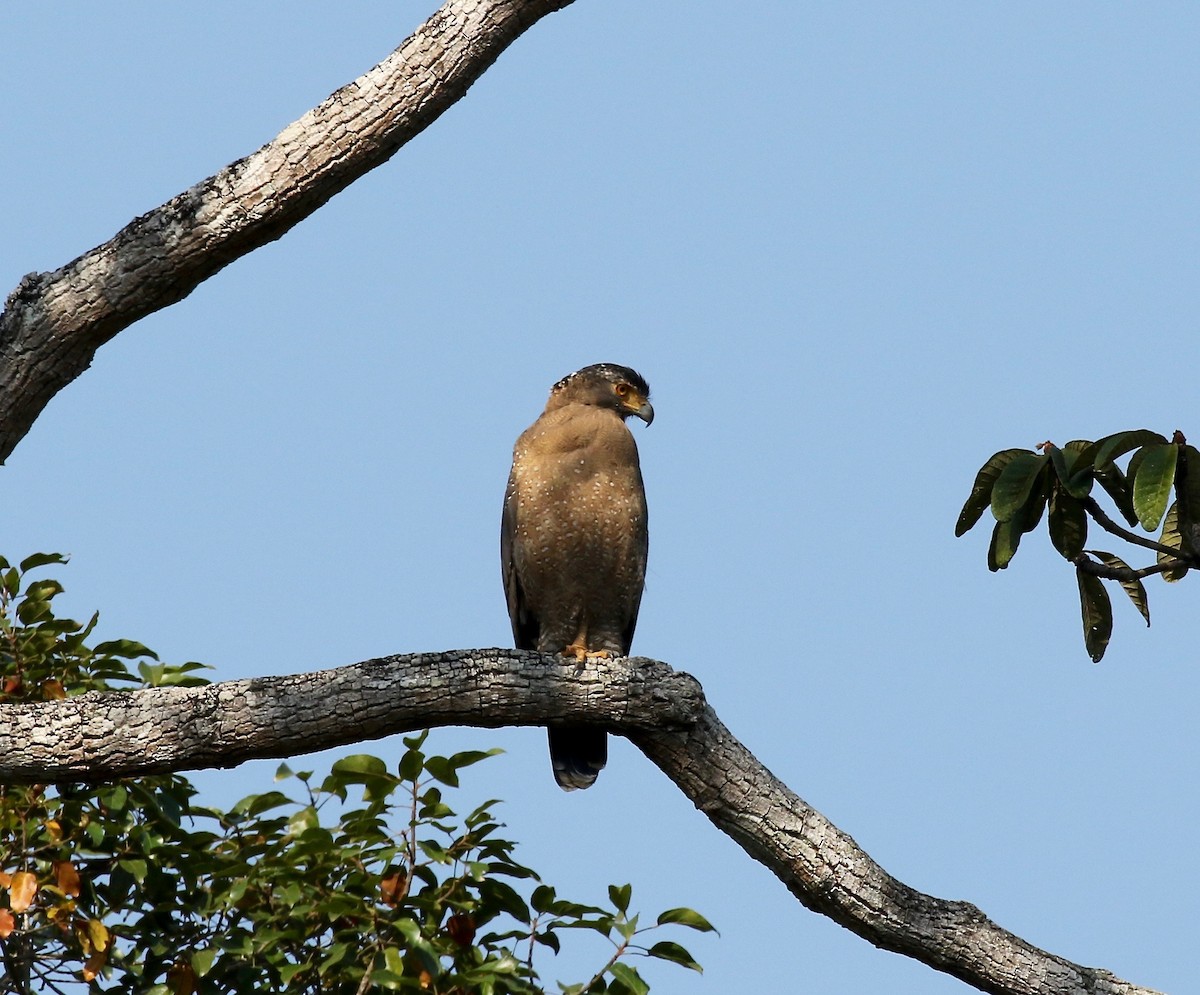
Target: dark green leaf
32,610
469,757
1064,460
666,950
365,769
334,955
981,490
542,898
43,590
127,649
38,560
303,819
1117,487
114,797
620,897
411,765
687,917
574,910
138,869
202,960
601,924
417,741
359,765
1134,588
434,852
1097,614
1068,523
288,971
1187,490
629,978
442,770
1015,484
257,804
1113,446
1030,513
1153,482
497,896
1006,537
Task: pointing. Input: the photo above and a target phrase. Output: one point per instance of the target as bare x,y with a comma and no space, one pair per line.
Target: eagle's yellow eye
622,389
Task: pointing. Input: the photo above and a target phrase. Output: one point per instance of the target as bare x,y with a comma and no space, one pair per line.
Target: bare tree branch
105,735
830,874
117,734
53,323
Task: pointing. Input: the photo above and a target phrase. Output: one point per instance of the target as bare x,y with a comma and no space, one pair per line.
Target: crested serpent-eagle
573,537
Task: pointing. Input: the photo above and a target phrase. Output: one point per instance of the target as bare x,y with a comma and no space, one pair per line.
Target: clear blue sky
855,249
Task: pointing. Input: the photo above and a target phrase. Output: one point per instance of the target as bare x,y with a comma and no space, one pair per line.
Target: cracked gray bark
101,736
53,323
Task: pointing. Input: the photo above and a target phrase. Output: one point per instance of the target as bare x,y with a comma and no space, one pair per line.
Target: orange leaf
92,968
21,891
67,877
7,924
461,927
54,828
181,979
5,879
53,690
394,888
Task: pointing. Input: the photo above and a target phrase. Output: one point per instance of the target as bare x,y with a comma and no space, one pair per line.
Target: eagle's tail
578,754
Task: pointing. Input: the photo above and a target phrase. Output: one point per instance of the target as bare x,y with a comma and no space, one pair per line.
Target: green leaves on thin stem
1160,484
366,880
625,935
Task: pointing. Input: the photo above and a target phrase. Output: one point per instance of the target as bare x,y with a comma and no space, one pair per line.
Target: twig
1098,569
1093,508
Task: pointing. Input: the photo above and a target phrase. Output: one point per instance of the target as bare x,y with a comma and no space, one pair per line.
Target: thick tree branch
104,736
830,874
53,323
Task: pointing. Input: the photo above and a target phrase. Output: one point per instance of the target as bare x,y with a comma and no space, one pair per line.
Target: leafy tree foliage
364,880
1159,486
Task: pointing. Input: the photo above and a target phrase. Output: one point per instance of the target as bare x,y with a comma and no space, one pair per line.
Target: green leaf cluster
1159,485
364,880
